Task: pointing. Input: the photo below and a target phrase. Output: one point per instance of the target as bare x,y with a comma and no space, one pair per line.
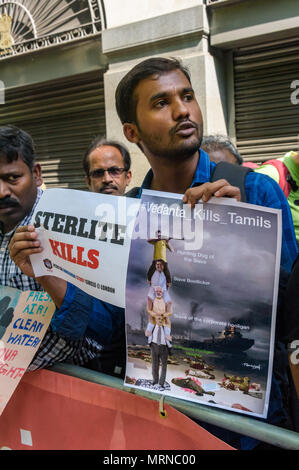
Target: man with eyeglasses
107,167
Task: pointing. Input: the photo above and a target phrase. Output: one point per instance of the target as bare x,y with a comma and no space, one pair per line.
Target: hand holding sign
204,192
24,243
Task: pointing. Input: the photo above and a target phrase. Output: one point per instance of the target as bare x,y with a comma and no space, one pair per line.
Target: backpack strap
286,182
234,174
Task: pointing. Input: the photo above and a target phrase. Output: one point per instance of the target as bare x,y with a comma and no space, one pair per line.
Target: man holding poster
157,106
19,195
20,181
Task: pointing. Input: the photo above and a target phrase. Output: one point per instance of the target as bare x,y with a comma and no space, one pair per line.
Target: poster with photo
201,295
24,319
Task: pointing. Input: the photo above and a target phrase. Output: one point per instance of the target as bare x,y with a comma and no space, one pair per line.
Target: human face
158,292
102,158
222,155
18,190
159,266
168,117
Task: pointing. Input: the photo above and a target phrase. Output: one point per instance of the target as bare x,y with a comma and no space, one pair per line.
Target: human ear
37,174
128,177
87,181
131,132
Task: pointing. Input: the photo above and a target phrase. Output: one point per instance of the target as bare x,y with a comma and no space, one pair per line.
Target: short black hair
218,142
125,100
15,143
100,141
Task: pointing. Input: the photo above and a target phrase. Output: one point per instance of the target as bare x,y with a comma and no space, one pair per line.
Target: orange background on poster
63,412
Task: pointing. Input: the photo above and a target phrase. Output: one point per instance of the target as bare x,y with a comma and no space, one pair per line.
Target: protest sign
24,319
86,241
214,295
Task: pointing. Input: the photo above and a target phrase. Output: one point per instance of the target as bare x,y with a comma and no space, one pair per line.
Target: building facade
53,76
65,60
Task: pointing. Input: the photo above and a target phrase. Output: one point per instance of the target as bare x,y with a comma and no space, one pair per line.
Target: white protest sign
86,240
24,319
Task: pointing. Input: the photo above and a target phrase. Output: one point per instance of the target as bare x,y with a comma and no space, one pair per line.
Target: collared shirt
55,346
260,190
155,333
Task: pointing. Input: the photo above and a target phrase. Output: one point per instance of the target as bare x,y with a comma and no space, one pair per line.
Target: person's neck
8,226
10,223
173,176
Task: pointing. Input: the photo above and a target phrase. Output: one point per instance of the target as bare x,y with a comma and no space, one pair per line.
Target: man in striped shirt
20,181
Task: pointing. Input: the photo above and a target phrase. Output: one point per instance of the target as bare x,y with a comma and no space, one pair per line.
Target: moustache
107,186
7,202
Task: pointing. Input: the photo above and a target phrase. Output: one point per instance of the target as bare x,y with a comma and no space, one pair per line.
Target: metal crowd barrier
247,426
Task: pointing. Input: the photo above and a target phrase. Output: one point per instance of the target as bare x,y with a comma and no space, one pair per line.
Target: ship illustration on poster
229,340
214,302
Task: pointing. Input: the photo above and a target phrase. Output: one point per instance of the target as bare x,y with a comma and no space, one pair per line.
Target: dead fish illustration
233,382
202,374
191,385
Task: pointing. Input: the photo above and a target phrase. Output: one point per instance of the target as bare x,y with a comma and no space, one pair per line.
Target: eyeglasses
113,171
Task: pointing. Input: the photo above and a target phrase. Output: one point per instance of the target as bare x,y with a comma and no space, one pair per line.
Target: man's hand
204,192
23,244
